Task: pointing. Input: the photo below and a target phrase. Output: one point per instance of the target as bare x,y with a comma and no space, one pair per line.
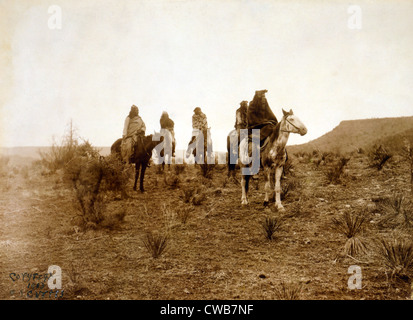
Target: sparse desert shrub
270,226
155,243
289,185
169,216
199,198
397,255
334,174
288,291
351,225
171,180
86,178
397,211
207,170
60,155
184,214
92,178
295,209
115,175
378,156
187,194
179,168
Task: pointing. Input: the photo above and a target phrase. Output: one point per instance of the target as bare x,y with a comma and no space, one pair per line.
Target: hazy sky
176,55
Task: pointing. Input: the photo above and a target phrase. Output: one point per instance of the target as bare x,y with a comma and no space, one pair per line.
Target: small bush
207,170
398,257
288,186
288,291
179,168
171,181
184,214
378,156
398,211
187,194
351,225
271,225
335,172
155,243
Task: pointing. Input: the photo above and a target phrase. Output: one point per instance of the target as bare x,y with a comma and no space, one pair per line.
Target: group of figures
258,141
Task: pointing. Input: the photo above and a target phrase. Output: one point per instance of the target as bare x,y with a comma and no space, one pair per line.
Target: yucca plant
398,257
378,157
351,225
271,225
155,243
336,171
288,291
398,211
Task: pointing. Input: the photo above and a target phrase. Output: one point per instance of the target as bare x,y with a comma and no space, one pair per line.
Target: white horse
272,156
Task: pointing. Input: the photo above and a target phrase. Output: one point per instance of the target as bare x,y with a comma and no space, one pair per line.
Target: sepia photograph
225,152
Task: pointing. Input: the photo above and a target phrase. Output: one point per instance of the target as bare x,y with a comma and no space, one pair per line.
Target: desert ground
214,247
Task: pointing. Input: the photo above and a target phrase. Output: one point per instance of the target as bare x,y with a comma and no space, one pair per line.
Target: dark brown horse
141,156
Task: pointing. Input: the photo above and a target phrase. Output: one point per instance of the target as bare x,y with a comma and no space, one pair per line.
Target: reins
286,119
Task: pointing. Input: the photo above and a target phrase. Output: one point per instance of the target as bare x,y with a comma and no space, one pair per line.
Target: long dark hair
133,112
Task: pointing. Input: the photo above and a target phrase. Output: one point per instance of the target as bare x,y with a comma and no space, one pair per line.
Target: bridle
286,119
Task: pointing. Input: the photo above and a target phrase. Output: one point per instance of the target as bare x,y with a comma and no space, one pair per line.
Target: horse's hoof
280,208
266,203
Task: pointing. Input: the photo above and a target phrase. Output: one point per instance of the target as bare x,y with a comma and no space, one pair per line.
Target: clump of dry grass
184,214
397,255
288,291
155,243
199,198
335,173
288,186
397,211
351,225
378,156
207,170
187,194
271,225
171,181
179,168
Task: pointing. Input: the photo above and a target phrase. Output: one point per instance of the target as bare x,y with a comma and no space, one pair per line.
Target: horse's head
292,123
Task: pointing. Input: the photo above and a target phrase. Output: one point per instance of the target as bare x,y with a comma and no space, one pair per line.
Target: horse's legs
244,185
137,165
278,173
143,169
267,188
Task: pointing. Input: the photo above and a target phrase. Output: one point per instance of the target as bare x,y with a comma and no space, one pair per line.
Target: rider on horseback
133,130
241,117
168,124
199,122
